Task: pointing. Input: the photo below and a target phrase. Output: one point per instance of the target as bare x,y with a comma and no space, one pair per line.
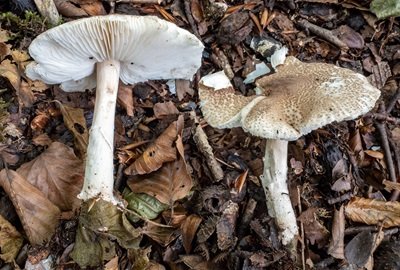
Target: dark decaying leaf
38,215
98,221
189,228
373,212
58,174
207,228
359,251
226,226
160,151
336,246
10,241
387,255
139,257
315,232
75,121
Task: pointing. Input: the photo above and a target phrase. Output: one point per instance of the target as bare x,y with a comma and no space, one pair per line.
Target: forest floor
214,215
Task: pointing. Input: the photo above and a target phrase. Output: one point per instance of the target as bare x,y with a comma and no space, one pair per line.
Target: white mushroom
131,48
297,99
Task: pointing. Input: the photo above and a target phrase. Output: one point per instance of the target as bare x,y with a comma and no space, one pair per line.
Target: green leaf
145,205
385,8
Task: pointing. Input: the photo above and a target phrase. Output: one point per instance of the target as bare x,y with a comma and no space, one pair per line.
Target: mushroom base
276,190
99,171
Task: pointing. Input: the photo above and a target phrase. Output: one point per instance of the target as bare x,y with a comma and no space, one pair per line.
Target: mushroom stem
276,190
99,172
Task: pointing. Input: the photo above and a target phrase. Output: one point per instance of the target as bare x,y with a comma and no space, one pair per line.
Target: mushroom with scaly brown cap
296,100
131,48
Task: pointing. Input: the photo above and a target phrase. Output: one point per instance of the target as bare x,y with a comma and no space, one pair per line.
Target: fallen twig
323,33
381,127
200,138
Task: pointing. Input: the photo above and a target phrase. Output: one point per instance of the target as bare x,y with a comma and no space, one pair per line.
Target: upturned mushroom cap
147,47
221,107
297,99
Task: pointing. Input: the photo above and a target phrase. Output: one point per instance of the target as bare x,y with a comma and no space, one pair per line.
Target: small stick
396,193
140,1
323,33
346,196
381,127
190,18
385,117
200,138
393,101
303,258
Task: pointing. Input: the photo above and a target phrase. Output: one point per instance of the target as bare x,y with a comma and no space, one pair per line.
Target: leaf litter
183,218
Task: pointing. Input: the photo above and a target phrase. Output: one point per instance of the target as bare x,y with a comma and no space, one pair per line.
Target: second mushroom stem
276,190
99,171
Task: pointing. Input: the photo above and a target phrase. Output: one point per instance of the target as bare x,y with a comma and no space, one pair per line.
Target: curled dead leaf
189,228
374,212
160,151
169,184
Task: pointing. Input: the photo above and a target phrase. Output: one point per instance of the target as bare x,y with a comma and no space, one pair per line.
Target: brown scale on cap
223,108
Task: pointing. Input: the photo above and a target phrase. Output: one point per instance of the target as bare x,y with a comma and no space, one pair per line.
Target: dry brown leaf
196,10
389,185
58,174
174,217
162,235
10,241
39,122
94,9
37,86
315,232
374,154
336,246
162,150
189,228
74,120
38,215
42,140
169,184
4,35
7,155
374,212
125,98
10,71
19,56
112,264
182,88
264,18
25,95
164,109
5,49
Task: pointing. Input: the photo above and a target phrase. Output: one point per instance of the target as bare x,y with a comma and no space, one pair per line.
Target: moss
23,28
